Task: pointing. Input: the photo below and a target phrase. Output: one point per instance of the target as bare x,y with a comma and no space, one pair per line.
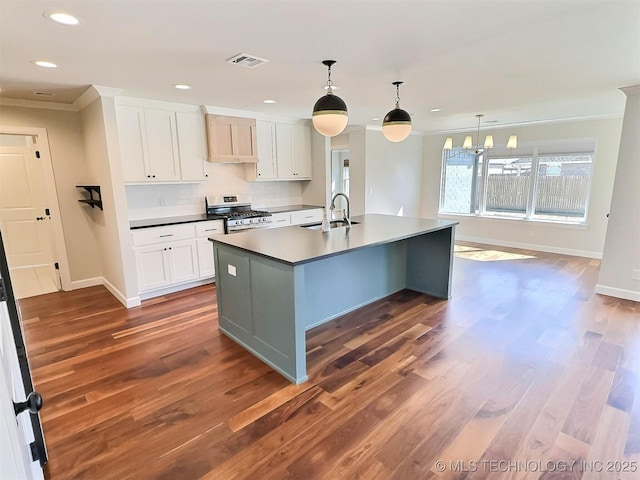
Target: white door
25,220
16,432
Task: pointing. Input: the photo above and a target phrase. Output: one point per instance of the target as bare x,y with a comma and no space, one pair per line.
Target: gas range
236,212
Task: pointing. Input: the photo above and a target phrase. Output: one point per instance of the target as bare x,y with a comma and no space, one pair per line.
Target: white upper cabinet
266,138
161,145
148,144
284,152
192,145
284,149
301,152
162,139
133,143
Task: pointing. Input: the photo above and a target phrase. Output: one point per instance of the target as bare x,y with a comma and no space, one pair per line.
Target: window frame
482,160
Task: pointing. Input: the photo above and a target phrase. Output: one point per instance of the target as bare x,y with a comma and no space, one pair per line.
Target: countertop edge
221,239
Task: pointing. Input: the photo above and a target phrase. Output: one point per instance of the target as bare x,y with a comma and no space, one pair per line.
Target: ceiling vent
246,60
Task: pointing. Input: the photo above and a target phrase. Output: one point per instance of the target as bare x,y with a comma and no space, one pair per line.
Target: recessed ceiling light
182,86
62,18
435,110
268,101
45,64
375,118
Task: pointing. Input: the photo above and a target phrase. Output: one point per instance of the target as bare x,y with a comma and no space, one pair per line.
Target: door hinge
37,453
37,154
56,266
3,292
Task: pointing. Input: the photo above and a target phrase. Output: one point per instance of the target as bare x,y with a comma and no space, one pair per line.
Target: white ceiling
513,60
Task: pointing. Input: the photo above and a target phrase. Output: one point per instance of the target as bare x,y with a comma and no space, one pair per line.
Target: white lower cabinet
300,217
297,217
281,219
204,230
165,264
174,255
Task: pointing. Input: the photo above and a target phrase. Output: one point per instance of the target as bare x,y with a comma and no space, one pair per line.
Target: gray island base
275,284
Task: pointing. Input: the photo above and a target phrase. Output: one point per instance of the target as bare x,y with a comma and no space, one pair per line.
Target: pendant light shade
396,125
330,115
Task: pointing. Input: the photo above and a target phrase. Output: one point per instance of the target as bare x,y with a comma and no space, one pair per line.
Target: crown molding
94,92
18,102
632,90
527,123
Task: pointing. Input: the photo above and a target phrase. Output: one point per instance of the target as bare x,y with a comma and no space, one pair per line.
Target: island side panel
233,290
256,309
336,285
430,262
280,337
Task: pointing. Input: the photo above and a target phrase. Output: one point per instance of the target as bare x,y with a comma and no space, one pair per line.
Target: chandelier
488,141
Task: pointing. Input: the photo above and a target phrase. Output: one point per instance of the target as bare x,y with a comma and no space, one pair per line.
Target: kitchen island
275,284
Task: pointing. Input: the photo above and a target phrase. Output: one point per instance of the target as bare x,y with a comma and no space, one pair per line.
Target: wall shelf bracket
93,201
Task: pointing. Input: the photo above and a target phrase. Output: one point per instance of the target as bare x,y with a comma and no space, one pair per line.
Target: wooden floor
523,370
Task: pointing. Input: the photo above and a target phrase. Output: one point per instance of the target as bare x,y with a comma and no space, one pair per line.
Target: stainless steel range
236,212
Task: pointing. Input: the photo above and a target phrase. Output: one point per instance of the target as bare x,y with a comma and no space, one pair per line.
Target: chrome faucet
347,216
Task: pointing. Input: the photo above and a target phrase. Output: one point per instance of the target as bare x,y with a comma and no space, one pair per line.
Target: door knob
33,403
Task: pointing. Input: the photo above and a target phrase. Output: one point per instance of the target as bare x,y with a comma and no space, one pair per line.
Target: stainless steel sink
332,224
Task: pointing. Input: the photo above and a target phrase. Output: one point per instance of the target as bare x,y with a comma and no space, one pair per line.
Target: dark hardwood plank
524,363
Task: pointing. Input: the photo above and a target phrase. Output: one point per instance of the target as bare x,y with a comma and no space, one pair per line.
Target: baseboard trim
127,302
617,292
175,288
87,282
531,246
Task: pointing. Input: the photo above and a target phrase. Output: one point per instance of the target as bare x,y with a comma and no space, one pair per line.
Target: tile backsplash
165,200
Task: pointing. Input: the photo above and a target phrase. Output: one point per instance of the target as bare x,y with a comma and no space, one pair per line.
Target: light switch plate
232,270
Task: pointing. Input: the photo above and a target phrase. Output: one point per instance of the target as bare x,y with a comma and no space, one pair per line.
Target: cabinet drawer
306,216
153,235
281,219
206,229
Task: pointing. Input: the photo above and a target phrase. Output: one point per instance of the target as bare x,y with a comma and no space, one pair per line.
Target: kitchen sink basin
332,224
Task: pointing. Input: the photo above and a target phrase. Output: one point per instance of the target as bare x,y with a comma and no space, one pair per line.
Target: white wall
110,225
66,146
315,192
578,240
393,175
622,245
357,170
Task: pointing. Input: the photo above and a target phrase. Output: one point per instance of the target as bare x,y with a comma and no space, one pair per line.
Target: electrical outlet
635,274
232,270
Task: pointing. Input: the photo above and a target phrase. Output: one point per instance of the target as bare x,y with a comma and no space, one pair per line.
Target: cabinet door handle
211,230
167,235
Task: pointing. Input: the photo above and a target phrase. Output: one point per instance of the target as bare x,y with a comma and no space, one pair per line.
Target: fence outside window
541,185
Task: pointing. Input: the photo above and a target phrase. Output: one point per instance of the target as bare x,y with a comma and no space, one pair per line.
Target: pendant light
397,123
330,115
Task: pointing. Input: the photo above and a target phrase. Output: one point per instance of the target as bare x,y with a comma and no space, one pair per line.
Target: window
546,181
